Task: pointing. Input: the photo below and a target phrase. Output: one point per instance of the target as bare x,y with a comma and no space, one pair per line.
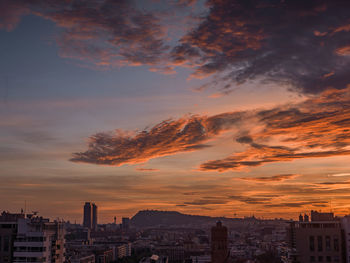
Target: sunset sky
219,107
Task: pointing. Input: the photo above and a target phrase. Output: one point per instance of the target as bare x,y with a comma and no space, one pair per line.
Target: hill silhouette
149,218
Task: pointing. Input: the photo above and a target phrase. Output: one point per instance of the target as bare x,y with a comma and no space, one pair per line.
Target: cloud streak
274,178
166,138
341,174
315,128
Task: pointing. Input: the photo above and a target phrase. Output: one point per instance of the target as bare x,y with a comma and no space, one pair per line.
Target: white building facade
39,240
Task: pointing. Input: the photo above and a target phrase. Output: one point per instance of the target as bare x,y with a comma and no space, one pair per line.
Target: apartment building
318,240
8,232
39,240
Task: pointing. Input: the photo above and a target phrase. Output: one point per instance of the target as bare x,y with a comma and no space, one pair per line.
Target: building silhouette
125,223
90,216
94,217
219,243
8,232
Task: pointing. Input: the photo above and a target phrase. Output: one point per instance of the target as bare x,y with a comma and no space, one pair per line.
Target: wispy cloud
285,205
340,174
105,33
207,201
314,128
274,178
167,138
147,169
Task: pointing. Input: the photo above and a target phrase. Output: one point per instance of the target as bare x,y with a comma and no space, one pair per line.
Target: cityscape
175,131
153,236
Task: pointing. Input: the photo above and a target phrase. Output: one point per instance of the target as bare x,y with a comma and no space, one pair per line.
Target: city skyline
218,108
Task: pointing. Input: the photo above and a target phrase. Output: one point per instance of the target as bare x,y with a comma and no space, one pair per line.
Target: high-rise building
219,243
8,232
94,217
87,215
90,216
318,240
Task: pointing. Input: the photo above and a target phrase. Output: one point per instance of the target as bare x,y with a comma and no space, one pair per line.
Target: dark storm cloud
304,44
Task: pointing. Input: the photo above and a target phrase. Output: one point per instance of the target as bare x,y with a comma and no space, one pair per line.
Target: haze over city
219,108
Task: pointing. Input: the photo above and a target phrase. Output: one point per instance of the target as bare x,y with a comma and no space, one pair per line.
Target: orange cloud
315,128
147,169
166,138
345,28
275,178
343,51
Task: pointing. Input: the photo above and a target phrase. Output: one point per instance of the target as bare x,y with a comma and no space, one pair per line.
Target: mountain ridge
172,218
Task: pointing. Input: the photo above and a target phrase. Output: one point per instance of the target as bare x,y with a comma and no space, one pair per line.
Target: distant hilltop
152,218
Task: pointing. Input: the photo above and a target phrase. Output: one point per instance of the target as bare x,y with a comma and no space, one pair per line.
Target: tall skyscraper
90,216
219,250
94,216
87,215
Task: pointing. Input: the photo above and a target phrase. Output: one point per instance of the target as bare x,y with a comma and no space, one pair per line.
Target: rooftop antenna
25,207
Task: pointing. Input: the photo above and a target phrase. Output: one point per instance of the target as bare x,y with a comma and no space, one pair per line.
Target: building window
319,243
312,243
6,243
336,244
328,259
320,259
312,259
328,243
